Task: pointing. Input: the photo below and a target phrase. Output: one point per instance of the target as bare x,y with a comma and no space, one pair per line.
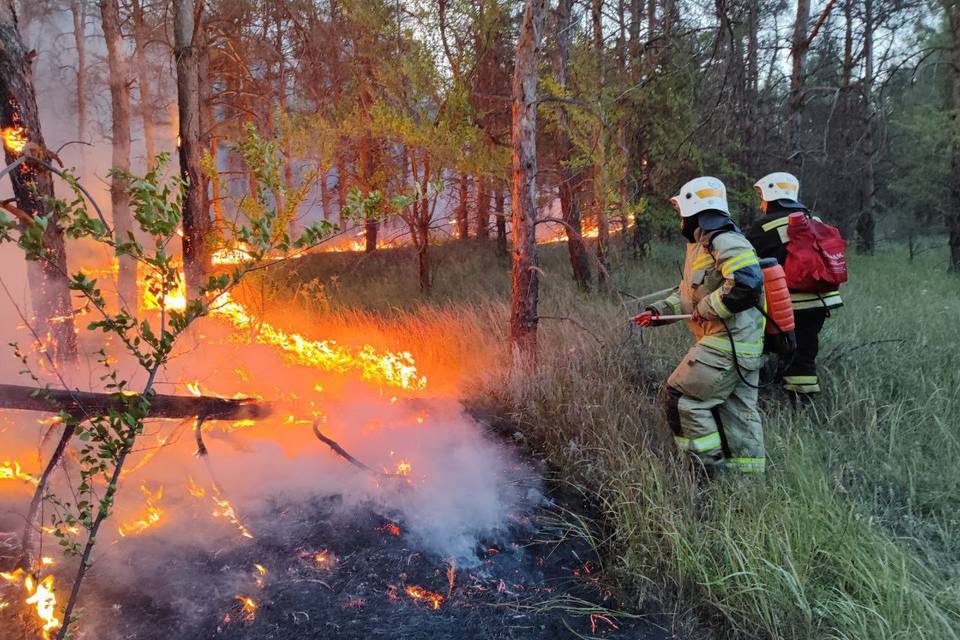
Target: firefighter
778,199
710,399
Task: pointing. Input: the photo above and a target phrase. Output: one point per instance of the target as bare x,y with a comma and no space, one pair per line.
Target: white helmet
779,186
699,195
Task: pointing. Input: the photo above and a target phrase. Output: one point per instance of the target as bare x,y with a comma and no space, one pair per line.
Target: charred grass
854,533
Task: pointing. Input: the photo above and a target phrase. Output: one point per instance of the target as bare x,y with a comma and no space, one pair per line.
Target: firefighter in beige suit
710,399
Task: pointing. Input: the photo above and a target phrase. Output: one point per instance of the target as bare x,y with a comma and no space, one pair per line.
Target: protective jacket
723,281
769,237
710,399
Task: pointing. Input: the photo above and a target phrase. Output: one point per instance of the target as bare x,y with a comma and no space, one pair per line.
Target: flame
14,138
261,572
73,530
242,424
152,516
103,272
588,232
194,490
41,595
249,607
560,235
225,510
392,528
13,471
393,368
404,468
232,255
419,593
154,298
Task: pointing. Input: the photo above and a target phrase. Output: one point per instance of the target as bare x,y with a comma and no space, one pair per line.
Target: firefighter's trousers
801,375
713,413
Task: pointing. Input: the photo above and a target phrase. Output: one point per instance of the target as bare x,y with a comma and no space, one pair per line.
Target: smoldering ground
314,545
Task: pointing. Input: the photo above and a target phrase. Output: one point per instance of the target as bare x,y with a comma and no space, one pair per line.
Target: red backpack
816,262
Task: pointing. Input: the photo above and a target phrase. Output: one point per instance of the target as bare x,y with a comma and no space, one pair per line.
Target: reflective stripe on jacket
801,301
709,279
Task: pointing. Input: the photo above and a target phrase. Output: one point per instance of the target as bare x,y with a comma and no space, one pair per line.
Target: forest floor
350,571
855,531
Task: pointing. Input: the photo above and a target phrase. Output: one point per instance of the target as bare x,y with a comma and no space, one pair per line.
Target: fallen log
86,404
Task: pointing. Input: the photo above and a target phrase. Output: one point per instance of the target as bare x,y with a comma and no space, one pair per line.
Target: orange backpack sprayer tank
779,308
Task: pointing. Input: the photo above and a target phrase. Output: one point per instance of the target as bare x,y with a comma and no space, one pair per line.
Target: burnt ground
340,571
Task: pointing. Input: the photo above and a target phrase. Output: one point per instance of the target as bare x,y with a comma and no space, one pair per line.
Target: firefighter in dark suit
778,199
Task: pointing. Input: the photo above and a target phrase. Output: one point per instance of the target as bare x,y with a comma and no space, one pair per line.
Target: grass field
855,531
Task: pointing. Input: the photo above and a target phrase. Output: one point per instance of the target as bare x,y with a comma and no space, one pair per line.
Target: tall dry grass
853,533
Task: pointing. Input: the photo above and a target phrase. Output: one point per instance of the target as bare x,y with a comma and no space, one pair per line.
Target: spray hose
733,346
736,361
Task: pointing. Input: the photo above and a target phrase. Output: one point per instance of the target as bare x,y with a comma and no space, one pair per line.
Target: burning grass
854,531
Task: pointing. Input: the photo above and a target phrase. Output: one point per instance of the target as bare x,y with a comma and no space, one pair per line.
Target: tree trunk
341,189
326,198
423,248
798,51
866,221
570,178
196,216
143,82
420,219
601,138
501,222
285,138
953,211
210,143
463,224
365,157
48,278
78,12
120,113
635,46
524,280
483,209
752,104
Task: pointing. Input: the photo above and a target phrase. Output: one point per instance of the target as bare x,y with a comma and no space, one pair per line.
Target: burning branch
85,405
340,451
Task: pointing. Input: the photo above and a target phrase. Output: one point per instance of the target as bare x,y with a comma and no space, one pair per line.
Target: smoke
450,485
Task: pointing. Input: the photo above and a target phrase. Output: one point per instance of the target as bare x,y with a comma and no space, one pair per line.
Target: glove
696,316
645,319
